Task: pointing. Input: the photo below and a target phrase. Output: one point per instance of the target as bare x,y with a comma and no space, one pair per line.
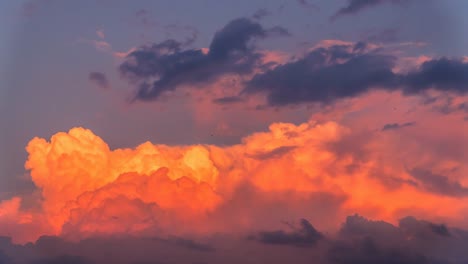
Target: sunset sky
210,131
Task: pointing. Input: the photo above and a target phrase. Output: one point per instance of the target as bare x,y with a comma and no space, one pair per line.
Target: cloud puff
396,126
99,79
165,66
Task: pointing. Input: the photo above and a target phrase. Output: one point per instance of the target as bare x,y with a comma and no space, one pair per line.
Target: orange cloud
305,170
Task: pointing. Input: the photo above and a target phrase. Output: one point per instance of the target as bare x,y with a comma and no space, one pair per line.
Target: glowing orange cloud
88,189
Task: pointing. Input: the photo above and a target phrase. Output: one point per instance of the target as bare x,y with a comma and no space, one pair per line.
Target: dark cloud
355,6
191,244
4,259
413,241
275,153
423,229
366,251
260,13
306,235
385,36
322,76
442,74
65,259
228,100
342,71
359,240
99,79
439,184
308,5
396,126
165,66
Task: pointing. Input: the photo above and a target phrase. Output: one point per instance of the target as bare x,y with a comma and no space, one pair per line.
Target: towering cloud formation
313,170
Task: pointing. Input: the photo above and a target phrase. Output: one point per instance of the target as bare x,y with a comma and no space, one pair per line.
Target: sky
233,131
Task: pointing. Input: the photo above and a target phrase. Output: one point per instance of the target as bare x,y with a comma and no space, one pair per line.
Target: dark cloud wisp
355,6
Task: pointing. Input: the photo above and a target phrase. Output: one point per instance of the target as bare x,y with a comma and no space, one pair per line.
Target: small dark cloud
228,100
165,66
439,184
141,12
385,36
191,244
99,79
305,236
308,5
275,153
261,13
279,31
396,126
356,6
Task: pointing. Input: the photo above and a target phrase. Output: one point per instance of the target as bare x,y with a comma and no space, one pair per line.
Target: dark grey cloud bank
328,74
359,240
323,75
164,66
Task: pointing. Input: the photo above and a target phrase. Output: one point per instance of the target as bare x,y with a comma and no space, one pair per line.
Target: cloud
442,74
165,66
318,170
385,36
308,5
305,235
396,126
261,13
439,183
367,251
62,260
411,241
99,79
313,78
356,6
228,100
